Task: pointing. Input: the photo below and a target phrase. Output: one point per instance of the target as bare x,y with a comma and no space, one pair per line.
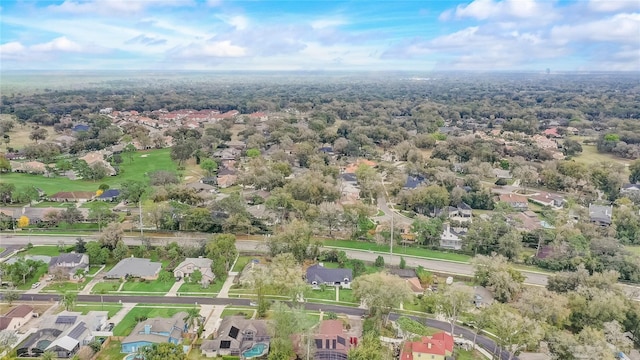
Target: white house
189,265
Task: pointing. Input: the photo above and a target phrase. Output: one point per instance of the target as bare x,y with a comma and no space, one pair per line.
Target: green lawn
35,276
98,203
148,286
467,355
111,352
196,288
633,249
107,286
66,286
84,308
93,269
43,250
158,159
425,253
328,294
46,204
124,327
241,263
591,156
247,313
346,295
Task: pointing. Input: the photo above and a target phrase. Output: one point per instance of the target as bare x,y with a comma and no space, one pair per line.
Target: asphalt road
486,343
440,266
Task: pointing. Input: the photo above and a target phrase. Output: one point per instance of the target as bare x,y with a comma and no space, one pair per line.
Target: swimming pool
256,350
131,357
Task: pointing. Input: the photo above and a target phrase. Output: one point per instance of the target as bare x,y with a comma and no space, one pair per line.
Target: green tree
296,239
381,292
513,331
253,153
68,300
379,262
97,254
196,276
120,251
427,231
48,355
498,276
10,295
7,338
164,351
221,248
634,169
370,348
452,302
210,166
403,263
193,318
164,276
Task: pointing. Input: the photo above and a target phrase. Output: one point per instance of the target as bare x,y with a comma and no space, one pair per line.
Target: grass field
20,134
633,249
148,286
107,286
124,327
43,250
591,156
70,286
86,307
111,352
55,204
247,313
143,162
34,276
361,245
241,263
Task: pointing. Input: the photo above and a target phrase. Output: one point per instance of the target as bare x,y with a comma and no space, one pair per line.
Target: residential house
236,144
517,202
238,336
37,215
548,199
415,285
318,274
71,263
72,196
436,347
63,334
96,157
351,168
526,220
332,341
155,331
630,189
502,174
552,132
413,182
201,187
227,154
451,238
226,177
16,317
136,268
403,273
601,215
189,265
544,143
29,167
109,195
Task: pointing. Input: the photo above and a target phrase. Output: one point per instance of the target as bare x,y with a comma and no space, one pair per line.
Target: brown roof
19,311
73,195
513,198
331,327
4,322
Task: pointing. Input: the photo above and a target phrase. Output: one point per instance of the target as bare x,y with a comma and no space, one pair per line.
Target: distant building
502,174
601,215
16,317
630,189
517,202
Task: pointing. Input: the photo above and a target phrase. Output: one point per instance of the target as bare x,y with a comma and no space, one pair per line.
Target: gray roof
134,267
320,274
600,213
232,329
73,258
174,326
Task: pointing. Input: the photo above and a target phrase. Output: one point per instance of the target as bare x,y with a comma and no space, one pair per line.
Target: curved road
485,342
441,266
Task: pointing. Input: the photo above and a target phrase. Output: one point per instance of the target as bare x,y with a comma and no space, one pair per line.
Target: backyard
124,327
112,351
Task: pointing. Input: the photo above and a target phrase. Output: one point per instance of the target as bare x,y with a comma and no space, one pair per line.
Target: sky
305,35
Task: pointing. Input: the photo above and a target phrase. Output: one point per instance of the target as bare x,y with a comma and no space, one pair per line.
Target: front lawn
398,250
62,286
346,295
106,286
49,250
84,308
34,276
196,288
148,286
93,270
241,263
56,204
129,321
247,313
328,294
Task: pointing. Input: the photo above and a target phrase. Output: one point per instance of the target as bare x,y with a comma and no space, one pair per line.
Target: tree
164,351
295,238
196,276
514,332
48,355
571,147
453,301
634,169
128,151
193,318
38,134
358,267
403,263
381,292
330,214
183,151
210,166
101,213
369,349
427,231
23,221
544,305
285,323
615,335
253,153
111,235
5,165
80,246
10,295
8,337
6,192
68,300
132,191
498,276
97,254
379,262
120,251
221,248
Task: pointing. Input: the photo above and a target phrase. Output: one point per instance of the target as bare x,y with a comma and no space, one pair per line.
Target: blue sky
493,35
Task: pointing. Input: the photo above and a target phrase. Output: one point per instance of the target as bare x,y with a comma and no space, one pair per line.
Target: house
413,182
437,347
109,195
351,168
227,154
238,336
600,215
318,274
135,267
29,167
548,199
97,157
517,202
403,273
527,220
332,341
552,132
72,196
37,215
415,285
189,265
16,317
630,189
225,181
236,144
201,187
155,331
63,334
502,174
451,238
70,263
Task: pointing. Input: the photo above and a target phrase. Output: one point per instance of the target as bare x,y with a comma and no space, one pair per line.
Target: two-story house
238,336
71,263
451,238
436,347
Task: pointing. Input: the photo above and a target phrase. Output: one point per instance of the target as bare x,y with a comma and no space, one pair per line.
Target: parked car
35,286
110,327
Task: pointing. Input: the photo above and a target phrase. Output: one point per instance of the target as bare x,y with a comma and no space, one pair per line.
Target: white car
35,286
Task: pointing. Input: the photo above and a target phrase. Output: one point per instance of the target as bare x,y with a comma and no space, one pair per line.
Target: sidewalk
96,279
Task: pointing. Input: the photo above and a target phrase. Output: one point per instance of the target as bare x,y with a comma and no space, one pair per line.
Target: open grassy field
148,286
19,135
48,250
124,327
362,245
86,307
590,155
143,162
111,352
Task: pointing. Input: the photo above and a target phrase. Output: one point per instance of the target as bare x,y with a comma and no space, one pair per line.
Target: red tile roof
513,198
439,344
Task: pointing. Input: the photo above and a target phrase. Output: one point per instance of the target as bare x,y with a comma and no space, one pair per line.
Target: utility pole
140,208
391,245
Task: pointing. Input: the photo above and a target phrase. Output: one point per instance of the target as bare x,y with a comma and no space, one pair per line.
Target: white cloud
11,48
61,44
113,7
614,5
620,28
217,49
327,23
492,9
239,22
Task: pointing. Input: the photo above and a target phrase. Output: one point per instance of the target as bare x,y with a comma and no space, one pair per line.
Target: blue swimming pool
256,350
131,357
